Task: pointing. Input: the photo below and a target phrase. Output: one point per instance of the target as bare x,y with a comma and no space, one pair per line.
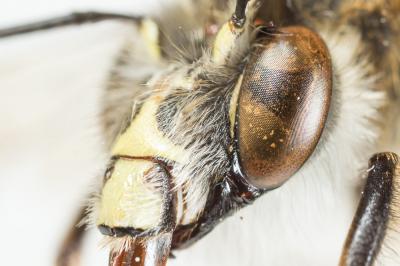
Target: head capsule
283,105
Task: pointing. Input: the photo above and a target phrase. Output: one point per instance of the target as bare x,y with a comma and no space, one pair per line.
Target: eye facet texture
283,105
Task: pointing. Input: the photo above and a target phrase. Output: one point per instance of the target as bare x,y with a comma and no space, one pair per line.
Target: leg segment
69,251
150,252
72,19
374,212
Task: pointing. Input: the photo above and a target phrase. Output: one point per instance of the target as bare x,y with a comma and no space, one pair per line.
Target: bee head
213,135
281,102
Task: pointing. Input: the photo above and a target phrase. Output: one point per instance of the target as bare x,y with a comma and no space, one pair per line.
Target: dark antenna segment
72,19
239,17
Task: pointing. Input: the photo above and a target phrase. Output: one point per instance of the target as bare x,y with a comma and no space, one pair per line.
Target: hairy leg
374,213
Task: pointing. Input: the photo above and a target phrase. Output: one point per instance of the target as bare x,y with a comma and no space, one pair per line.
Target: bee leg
150,252
374,213
69,252
71,19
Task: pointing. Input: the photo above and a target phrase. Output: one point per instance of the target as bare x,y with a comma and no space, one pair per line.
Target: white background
26,10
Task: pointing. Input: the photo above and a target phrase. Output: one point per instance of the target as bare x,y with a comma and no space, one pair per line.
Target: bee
239,132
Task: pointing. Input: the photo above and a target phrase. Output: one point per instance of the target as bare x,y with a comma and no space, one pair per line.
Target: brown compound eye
283,105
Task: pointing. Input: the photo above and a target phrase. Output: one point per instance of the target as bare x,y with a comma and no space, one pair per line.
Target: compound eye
283,105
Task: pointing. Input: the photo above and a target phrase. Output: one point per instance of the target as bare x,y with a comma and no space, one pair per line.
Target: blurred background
50,142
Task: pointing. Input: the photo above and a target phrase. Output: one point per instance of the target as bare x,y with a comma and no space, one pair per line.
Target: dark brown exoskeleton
254,105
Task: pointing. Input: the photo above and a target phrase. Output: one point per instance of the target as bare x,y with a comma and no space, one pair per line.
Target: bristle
118,244
389,254
92,210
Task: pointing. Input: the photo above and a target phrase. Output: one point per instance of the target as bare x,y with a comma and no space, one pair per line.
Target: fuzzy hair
195,115
378,21
126,87
198,119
